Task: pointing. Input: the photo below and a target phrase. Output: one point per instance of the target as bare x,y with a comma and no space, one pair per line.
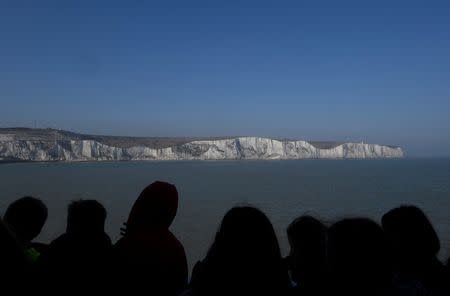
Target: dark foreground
353,256
283,190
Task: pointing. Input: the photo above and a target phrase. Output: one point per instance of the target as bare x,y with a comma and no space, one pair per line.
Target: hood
156,207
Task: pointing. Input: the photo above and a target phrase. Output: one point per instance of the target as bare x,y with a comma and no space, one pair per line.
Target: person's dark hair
86,216
244,258
307,259
414,247
26,217
357,255
411,234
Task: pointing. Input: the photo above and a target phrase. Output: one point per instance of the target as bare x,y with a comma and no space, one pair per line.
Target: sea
283,189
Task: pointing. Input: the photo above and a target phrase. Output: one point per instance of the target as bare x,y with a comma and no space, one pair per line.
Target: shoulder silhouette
14,263
149,256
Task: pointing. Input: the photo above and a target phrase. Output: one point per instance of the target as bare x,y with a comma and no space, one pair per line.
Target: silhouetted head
26,217
85,217
245,254
307,239
412,238
156,206
246,233
357,256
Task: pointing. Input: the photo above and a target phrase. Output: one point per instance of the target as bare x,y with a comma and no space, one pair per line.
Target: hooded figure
149,256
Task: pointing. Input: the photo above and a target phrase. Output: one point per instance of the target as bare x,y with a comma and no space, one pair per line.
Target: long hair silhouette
244,258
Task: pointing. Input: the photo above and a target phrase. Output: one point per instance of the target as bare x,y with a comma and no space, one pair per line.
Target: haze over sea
328,189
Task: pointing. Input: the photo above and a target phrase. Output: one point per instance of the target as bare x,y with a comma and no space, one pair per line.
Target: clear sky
372,71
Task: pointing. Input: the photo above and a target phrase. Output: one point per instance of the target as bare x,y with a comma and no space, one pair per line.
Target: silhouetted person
26,217
14,264
307,258
414,246
357,255
244,258
149,256
80,257
447,286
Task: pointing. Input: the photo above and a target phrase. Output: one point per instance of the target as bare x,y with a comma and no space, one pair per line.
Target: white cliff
234,148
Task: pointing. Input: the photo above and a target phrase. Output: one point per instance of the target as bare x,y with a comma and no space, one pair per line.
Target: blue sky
372,71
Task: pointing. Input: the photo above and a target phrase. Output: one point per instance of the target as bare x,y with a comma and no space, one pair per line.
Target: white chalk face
234,148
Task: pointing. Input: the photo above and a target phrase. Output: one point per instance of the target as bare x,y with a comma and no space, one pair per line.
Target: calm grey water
329,189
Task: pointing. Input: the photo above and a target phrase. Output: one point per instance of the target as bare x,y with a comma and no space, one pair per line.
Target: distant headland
26,144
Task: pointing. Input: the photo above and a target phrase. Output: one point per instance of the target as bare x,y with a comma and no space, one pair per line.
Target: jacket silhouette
83,253
149,256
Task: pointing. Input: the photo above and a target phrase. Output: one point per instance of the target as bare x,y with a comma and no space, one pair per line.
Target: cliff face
234,148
